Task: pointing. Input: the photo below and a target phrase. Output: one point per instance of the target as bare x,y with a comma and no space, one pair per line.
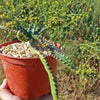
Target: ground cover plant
79,36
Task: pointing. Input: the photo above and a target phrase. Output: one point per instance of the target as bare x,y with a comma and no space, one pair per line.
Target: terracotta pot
27,77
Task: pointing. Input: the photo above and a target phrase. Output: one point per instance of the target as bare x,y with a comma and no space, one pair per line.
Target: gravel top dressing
22,50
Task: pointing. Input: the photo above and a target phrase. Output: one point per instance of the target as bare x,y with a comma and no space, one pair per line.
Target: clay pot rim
11,42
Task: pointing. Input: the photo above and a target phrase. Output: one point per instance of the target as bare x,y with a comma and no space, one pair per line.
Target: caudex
32,35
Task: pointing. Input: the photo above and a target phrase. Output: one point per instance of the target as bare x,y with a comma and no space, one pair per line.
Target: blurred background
78,34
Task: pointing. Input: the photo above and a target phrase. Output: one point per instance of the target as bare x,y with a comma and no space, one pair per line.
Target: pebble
22,50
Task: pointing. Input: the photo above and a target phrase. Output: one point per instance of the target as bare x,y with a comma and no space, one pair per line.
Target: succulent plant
33,35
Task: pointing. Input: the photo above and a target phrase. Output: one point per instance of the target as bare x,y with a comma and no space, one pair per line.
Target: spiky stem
2,27
56,54
52,80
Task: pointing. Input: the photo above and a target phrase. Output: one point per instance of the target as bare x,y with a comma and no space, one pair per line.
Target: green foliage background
79,35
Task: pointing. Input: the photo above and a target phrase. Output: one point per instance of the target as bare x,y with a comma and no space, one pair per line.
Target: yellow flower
19,16
33,2
44,2
22,15
24,11
97,28
16,19
12,6
56,2
13,9
72,17
86,16
67,18
55,12
59,96
3,14
79,9
90,9
24,18
64,13
30,12
22,3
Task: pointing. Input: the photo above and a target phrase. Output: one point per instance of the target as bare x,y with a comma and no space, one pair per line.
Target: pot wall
27,77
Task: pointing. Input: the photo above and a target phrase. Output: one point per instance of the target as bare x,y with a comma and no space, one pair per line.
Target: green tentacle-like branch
65,60
56,54
59,56
4,28
48,69
54,50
